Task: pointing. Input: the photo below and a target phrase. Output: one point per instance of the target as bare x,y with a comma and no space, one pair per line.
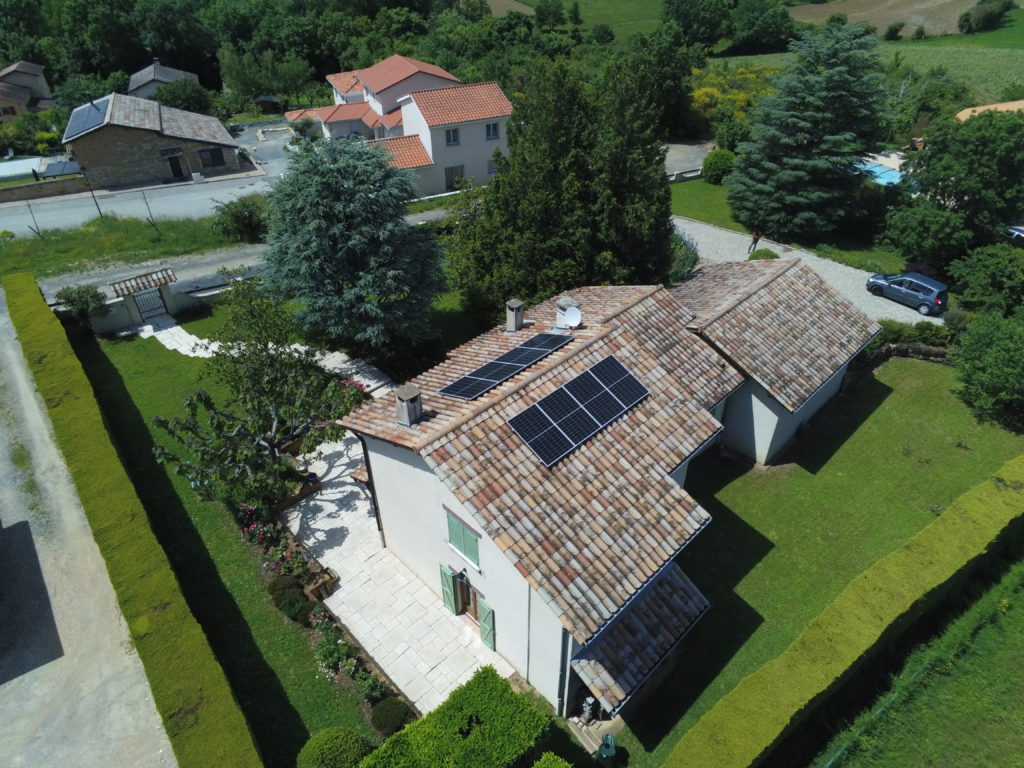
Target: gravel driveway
72,689
718,244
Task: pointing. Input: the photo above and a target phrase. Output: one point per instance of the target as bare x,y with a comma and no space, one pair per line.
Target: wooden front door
175,164
468,599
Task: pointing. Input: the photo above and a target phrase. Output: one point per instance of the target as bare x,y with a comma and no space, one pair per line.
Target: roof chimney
513,315
561,307
409,405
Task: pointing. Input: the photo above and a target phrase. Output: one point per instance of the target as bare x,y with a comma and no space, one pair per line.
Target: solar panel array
504,367
86,117
562,421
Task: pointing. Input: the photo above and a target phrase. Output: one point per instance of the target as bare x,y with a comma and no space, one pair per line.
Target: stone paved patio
425,650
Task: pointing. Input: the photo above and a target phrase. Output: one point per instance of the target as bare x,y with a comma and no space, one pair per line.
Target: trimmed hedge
334,748
200,714
744,725
482,723
391,715
551,760
762,254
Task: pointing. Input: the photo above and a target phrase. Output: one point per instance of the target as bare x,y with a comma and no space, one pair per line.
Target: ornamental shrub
335,747
684,257
551,760
294,604
390,715
244,219
762,254
717,165
892,32
84,302
331,650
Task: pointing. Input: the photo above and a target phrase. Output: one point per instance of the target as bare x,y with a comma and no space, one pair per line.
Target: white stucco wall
472,152
384,101
412,509
413,124
757,425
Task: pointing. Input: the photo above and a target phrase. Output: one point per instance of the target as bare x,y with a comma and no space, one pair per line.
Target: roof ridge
757,285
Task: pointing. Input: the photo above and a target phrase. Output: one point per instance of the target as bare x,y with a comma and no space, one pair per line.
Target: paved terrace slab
426,650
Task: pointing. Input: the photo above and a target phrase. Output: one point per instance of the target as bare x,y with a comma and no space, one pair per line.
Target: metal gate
150,303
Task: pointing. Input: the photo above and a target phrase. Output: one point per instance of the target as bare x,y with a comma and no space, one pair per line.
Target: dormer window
451,137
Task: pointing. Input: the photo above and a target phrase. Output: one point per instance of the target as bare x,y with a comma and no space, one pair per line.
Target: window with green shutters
463,539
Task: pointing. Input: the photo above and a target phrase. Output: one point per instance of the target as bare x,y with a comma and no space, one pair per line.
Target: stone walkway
165,330
425,649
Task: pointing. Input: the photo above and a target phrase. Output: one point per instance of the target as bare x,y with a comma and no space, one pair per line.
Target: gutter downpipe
373,488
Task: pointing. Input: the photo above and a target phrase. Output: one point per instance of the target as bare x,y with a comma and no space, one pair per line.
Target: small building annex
120,140
23,88
427,119
535,479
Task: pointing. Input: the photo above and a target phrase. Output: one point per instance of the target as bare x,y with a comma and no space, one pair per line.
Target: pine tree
797,176
338,242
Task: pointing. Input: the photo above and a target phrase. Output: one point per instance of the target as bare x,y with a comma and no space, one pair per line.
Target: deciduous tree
798,174
338,242
185,94
991,279
990,363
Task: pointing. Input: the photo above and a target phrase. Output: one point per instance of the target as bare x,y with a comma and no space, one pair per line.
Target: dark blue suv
924,294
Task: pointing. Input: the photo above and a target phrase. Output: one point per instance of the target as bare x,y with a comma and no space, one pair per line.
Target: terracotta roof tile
778,320
623,468
395,69
345,82
462,103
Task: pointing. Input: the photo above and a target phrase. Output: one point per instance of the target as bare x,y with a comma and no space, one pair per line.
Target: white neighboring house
431,122
547,503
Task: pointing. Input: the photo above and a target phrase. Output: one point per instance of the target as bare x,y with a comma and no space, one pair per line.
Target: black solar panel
506,366
562,421
86,117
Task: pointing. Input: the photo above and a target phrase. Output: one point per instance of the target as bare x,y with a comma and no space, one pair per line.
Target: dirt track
937,16
72,690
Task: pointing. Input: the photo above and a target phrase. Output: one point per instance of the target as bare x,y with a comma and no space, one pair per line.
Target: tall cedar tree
797,176
338,241
581,198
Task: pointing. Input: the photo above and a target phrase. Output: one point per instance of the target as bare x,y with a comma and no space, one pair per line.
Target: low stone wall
50,188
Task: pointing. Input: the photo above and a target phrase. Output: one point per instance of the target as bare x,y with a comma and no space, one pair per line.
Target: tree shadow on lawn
717,561
818,439
276,727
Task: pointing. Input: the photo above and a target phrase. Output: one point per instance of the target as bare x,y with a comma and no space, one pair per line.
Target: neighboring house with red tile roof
551,508
458,126
23,88
120,140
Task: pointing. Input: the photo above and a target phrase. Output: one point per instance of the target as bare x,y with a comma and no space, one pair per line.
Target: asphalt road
170,201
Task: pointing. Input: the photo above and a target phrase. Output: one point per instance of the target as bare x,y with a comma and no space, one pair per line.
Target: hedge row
200,714
482,723
551,760
744,725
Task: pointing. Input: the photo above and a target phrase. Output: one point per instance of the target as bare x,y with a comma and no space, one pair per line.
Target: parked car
1015,234
926,295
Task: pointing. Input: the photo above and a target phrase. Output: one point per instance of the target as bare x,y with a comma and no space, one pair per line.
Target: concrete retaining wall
49,188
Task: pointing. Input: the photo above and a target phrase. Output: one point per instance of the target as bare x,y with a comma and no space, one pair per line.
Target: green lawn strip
785,541
705,202
267,659
747,721
624,18
431,204
973,674
107,240
1010,35
202,719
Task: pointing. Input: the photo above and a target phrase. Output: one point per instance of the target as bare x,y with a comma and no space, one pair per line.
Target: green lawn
267,659
105,241
987,61
699,200
869,471
959,700
624,18
433,204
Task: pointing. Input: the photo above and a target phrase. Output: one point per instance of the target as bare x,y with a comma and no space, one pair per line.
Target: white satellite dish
573,317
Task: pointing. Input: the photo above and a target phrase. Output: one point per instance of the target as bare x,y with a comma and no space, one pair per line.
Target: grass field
959,700
937,16
987,62
267,659
785,540
104,241
707,202
624,18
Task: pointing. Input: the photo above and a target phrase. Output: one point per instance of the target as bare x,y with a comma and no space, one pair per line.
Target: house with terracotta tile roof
535,479
23,88
400,102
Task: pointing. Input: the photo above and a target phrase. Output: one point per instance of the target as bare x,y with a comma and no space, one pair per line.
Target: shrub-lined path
72,690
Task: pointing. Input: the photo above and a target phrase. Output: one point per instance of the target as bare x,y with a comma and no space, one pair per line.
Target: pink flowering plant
261,534
320,619
281,560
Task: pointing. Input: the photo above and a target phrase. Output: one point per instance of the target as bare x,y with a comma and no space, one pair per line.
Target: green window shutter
472,547
486,623
463,539
455,532
448,588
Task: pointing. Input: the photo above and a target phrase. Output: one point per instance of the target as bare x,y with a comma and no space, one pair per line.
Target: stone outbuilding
23,88
147,80
121,140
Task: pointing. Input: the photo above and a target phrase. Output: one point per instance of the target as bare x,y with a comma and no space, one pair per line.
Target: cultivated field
625,18
937,16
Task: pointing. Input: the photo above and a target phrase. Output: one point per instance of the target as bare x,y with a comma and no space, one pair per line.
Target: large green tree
991,279
975,170
797,177
703,22
990,362
338,242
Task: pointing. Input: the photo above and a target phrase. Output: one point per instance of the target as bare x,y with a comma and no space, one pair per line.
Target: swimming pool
881,174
